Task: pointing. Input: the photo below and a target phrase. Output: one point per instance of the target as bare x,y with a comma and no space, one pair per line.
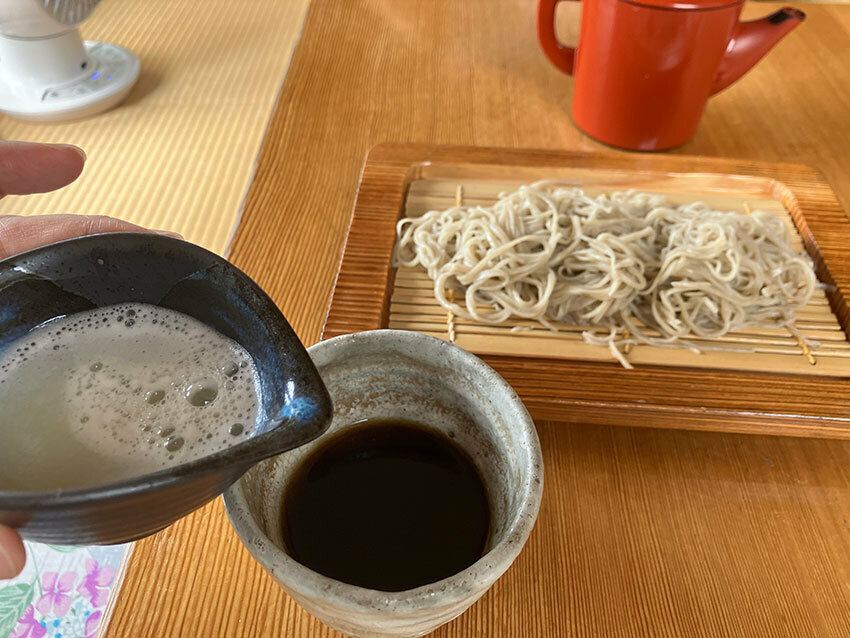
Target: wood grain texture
179,152
642,533
595,391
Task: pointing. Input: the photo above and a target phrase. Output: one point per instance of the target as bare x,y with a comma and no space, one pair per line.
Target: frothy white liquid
101,396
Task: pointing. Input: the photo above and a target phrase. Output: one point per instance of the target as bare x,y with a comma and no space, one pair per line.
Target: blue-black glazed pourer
101,270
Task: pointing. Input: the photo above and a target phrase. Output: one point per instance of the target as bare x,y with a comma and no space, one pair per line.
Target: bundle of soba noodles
628,266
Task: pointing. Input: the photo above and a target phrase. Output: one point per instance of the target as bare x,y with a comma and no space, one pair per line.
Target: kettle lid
684,5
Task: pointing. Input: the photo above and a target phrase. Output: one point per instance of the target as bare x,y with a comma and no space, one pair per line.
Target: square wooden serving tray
783,387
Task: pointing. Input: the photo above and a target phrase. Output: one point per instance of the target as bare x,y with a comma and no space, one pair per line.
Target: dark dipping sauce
386,504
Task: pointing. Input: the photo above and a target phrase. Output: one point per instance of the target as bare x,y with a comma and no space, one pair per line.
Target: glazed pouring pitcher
644,70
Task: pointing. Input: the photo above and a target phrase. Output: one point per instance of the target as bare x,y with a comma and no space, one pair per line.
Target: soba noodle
622,265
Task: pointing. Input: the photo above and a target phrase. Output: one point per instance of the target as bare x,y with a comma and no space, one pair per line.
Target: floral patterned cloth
61,593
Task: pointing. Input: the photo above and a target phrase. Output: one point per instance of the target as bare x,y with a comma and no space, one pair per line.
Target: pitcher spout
750,41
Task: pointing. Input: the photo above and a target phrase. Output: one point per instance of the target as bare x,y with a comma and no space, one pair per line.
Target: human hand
38,168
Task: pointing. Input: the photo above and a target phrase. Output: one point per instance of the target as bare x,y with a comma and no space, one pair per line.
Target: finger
13,557
38,168
19,234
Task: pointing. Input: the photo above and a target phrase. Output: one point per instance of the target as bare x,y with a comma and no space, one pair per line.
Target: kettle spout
750,41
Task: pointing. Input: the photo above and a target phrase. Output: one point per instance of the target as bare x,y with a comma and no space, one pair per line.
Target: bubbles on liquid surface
201,394
174,443
120,389
155,396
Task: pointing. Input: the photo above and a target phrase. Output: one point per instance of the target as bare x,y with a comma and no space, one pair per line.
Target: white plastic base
105,76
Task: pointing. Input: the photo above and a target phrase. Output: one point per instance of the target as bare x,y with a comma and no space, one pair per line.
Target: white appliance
47,72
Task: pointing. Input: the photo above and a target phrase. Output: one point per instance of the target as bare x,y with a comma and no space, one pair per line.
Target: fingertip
74,148
13,556
38,168
73,160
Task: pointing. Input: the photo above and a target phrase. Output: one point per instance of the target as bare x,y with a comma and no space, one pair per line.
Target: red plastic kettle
644,70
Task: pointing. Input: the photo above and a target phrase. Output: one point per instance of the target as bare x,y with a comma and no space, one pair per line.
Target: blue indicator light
108,77
95,75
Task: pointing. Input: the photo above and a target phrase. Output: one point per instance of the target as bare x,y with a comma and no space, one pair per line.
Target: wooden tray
781,393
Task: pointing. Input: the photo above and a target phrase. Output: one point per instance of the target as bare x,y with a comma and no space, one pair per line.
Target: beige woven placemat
180,152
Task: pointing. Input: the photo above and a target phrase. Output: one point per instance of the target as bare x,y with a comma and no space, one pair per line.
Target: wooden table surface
642,532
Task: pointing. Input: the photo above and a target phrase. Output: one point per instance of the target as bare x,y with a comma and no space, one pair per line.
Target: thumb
19,234
12,554
38,168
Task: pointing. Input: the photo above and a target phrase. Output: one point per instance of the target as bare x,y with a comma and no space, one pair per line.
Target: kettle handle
561,56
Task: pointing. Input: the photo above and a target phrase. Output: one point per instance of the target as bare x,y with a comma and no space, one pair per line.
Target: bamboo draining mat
413,305
179,153
783,393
